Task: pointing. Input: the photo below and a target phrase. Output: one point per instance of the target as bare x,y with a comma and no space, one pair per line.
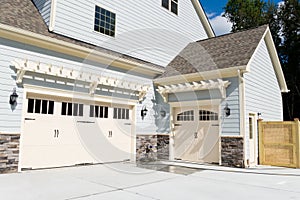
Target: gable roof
231,50
23,16
222,55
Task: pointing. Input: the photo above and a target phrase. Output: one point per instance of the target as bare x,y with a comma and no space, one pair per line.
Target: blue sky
214,9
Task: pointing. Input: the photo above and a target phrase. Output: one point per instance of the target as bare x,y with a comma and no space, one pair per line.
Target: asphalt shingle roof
24,15
221,52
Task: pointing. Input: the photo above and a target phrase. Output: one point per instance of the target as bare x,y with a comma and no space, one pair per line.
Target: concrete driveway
126,181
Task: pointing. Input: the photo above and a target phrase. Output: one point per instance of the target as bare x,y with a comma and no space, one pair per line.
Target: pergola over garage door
62,127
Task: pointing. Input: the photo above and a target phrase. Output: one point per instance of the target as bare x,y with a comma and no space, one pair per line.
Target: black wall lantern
162,113
144,112
13,98
227,111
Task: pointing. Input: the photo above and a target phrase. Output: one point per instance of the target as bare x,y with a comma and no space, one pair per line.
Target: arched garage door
62,132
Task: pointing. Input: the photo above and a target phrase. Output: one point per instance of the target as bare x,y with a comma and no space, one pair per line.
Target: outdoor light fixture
227,111
144,112
13,98
162,113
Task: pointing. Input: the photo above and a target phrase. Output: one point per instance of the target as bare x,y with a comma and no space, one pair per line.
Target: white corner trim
52,15
203,18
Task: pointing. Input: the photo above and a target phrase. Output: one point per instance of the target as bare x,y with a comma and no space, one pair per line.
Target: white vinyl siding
231,124
44,7
144,29
262,92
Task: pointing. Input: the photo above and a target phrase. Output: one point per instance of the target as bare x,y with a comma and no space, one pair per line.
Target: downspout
242,110
52,15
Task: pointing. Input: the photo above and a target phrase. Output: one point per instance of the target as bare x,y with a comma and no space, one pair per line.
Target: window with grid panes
186,116
105,21
205,115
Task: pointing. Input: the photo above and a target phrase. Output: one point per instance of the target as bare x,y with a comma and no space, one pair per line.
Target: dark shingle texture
24,15
221,52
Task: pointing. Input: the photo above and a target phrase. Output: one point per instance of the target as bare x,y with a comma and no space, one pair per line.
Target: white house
101,81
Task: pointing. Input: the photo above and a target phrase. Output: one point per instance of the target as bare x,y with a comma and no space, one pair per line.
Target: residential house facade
95,83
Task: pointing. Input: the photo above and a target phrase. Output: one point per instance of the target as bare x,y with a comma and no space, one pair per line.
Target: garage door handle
128,124
29,119
86,122
215,125
178,125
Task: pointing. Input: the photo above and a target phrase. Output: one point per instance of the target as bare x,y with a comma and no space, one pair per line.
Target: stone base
9,153
151,148
232,151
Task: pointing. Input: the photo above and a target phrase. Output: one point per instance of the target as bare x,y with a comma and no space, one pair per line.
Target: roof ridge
231,33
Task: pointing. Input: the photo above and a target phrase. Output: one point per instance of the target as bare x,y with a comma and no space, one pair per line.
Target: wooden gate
279,143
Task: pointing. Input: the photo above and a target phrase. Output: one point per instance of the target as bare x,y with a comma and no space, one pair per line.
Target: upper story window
171,5
105,21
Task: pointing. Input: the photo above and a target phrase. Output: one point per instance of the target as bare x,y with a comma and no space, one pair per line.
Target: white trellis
92,79
194,86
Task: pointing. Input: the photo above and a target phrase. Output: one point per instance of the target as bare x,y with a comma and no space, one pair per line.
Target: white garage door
61,133
196,134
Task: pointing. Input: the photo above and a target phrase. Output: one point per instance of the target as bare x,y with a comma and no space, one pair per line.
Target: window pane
165,4
63,108
75,110
123,113
51,107
106,112
96,111
44,106
174,7
30,105
101,111
80,110
119,113
91,111
127,113
37,106
115,113
70,109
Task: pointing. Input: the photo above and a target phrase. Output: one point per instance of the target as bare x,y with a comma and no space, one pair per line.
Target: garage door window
71,109
98,111
39,106
205,115
186,116
121,113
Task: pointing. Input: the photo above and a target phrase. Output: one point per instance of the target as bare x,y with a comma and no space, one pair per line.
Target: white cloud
210,15
220,24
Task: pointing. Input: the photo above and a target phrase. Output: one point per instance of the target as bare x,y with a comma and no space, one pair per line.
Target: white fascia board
203,18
